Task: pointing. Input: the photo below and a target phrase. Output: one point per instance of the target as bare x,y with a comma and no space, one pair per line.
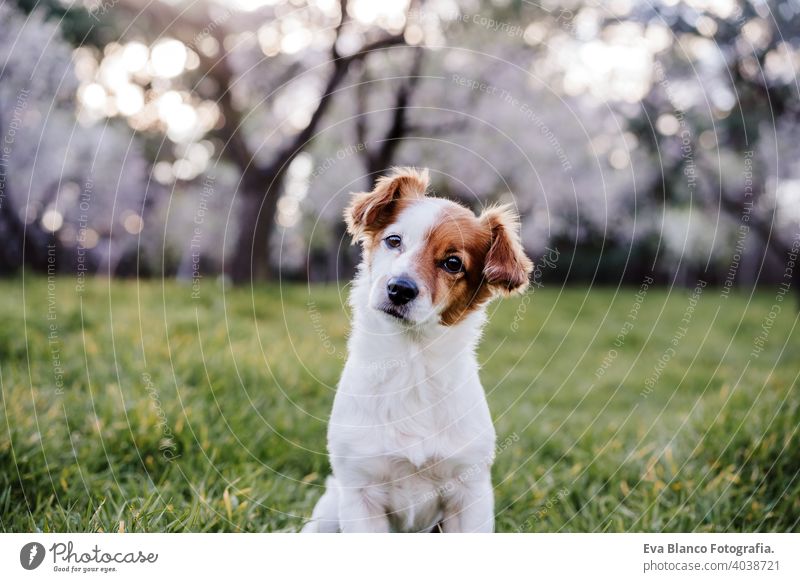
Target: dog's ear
506,267
372,211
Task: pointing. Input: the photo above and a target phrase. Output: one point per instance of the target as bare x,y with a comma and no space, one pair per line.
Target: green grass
238,387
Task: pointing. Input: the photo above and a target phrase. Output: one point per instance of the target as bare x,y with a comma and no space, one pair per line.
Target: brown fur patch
458,233
507,267
490,250
370,212
489,246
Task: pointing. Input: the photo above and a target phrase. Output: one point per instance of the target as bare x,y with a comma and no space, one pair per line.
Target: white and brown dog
410,438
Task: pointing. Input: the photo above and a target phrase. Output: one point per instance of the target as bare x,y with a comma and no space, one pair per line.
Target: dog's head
430,259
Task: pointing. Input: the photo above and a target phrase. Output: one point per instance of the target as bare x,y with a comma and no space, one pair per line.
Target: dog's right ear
370,212
507,268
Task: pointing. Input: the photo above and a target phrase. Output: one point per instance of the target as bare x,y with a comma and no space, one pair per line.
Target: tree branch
340,68
362,102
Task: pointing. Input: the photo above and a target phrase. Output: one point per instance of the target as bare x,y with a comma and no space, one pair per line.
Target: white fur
410,438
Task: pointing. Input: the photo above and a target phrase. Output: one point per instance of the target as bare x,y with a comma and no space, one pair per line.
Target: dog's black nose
401,290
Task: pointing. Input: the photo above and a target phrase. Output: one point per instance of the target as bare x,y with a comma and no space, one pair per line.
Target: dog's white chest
413,428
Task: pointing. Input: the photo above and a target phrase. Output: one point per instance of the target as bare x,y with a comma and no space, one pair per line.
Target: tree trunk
796,277
251,260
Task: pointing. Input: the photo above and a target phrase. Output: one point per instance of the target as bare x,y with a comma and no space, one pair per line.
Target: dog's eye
453,265
393,241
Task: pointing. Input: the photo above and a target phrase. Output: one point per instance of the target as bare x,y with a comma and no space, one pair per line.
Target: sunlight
129,99
788,198
93,96
249,5
389,15
296,36
134,57
182,122
52,220
168,58
133,223
617,69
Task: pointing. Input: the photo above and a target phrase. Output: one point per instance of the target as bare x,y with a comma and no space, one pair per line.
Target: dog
410,438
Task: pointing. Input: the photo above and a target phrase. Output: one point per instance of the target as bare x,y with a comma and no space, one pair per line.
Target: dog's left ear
372,211
506,267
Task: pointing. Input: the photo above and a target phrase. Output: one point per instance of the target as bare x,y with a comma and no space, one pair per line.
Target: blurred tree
724,93
706,94
278,76
69,193
635,138
76,26
380,149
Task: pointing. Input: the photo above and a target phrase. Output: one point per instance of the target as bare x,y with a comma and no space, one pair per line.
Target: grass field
134,407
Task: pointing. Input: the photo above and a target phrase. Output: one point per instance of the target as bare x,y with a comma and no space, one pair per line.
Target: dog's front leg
362,510
470,507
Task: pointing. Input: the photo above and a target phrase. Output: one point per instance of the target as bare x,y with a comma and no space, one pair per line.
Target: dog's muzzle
401,290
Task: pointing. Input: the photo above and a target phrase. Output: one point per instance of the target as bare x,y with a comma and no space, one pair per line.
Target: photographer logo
31,555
